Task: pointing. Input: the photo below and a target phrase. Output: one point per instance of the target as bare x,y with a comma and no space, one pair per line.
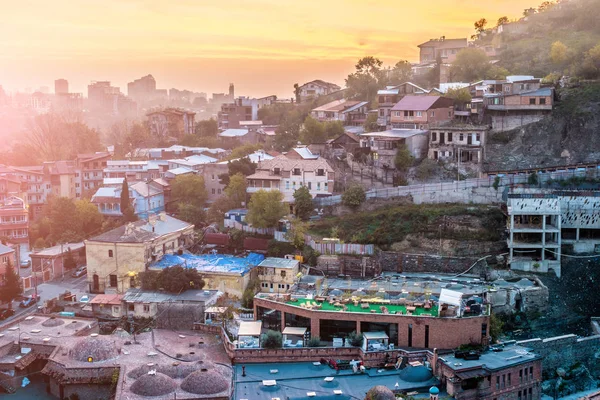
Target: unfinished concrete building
534,232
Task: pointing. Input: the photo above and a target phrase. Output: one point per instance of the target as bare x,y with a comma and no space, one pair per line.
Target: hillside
571,135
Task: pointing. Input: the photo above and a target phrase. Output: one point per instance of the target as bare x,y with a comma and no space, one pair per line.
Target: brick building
421,112
14,220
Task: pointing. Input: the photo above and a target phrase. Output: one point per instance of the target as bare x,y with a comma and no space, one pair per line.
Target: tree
400,73
480,25
126,205
460,96
303,203
207,128
364,83
370,124
546,6
403,159
189,189
271,340
12,285
236,190
334,129
266,208
558,53
70,262
64,224
354,196
297,92
502,21
218,209
296,233
191,213
313,131
172,279
243,151
471,64
90,217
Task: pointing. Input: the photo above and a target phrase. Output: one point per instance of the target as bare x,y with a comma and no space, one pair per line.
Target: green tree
480,25
172,279
313,131
271,340
364,82
296,233
266,208
334,129
400,73
303,203
126,207
70,262
460,96
354,196
370,124
64,224
546,6
496,326
502,21
236,190
191,213
471,64
403,159
242,166
90,217
217,210
189,189
12,285
558,53
297,92
207,128
243,151
314,341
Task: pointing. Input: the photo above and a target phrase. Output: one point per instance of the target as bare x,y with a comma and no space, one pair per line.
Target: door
442,138
469,139
95,283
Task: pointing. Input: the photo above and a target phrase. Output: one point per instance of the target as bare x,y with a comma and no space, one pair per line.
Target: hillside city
421,230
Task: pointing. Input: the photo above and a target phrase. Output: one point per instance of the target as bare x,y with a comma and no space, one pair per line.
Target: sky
262,46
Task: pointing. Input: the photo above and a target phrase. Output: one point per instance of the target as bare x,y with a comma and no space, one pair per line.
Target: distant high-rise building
61,86
143,88
103,98
231,91
44,89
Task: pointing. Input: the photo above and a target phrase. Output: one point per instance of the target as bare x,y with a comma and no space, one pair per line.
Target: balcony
462,113
383,121
254,189
519,107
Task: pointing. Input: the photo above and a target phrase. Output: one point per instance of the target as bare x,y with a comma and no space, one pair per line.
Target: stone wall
355,266
564,351
404,262
507,122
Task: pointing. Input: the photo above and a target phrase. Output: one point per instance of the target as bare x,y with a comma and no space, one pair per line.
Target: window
296,171
419,113
530,394
113,281
461,137
213,177
477,137
519,395
509,379
219,191
507,88
276,171
426,335
503,381
130,307
498,382
110,253
449,114
532,101
409,335
433,136
309,185
433,113
287,185
320,172
146,308
77,185
318,185
542,100
409,113
48,185
530,374
449,136
282,273
521,376
116,309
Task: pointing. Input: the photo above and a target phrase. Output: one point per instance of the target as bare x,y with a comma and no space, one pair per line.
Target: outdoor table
410,308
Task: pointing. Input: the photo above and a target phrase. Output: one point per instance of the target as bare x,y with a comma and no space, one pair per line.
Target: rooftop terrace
368,305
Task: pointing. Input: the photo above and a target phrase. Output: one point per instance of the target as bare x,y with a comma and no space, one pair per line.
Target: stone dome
380,393
99,348
206,381
153,384
416,374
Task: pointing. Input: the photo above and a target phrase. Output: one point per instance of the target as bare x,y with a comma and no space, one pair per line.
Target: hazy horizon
200,46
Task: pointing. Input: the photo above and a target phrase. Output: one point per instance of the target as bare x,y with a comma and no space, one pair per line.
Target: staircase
6,383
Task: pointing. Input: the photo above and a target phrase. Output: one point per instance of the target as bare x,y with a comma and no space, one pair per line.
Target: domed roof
380,393
206,381
98,348
50,322
434,390
416,374
153,384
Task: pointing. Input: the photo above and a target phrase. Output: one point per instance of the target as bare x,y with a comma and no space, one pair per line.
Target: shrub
355,339
427,169
496,182
532,179
314,341
354,196
271,340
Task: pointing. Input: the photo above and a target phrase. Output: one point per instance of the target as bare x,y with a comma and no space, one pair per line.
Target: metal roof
143,296
276,262
234,133
395,133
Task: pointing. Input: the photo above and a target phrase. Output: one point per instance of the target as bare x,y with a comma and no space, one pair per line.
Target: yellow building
116,257
277,275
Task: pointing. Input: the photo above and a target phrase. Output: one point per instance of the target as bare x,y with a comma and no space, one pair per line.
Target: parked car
25,263
28,302
5,313
79,272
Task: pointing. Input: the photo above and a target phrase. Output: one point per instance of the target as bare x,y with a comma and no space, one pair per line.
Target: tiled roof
337,105
141,231
145,190
287,164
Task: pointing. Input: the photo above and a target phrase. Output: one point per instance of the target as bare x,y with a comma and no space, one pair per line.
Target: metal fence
331,248
503,181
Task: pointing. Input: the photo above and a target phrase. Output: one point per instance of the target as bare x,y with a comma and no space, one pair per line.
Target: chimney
434,361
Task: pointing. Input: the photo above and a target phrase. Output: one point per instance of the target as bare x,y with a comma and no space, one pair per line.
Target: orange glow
264,46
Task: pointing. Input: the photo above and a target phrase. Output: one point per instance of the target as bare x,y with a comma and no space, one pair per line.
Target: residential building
509,111
345,143
142,89
277,275
68,103
349,112
61,86
383,146
148,304
171,122
7,257
458,144
509,371
422,112
10,184
116,257
14,220
316,88
234,137
108,305
214,187
286,175
103,98
49,263
390,96
62,176
242,109
301,153
177,151
146,198
36,187
89,172
194,163
442,48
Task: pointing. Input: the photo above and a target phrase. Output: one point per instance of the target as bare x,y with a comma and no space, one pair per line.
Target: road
49,290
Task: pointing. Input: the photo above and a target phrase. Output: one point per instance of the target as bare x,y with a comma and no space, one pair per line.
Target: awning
294,331
250,328
474,373
375,335
215,310
451,297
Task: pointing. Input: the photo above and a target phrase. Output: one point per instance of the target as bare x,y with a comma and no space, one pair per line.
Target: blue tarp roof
211,262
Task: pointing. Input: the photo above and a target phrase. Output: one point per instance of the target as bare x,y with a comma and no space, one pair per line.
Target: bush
532,179
354,196
496,182
271,340
279,249
314,341
310,256
427,169
355,339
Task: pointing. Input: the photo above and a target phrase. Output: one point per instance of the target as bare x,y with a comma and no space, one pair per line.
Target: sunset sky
263,46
